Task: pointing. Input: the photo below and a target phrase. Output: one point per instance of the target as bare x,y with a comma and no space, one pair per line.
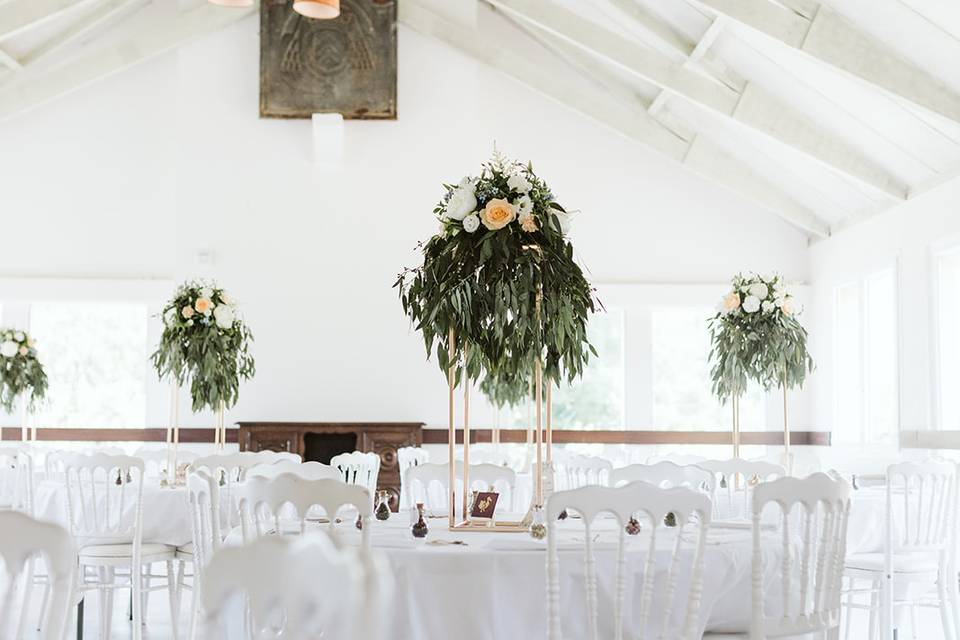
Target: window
865,360
95,356
948,338
596,400
682,395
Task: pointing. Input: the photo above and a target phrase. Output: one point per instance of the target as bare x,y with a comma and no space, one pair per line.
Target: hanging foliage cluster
20,370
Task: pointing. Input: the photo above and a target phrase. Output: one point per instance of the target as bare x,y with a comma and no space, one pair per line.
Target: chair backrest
813,514
665,474
306,470
676,458
409,457
735,480
687,534
359,468
304,588
419,479
203,497
573,472
227,469
155,461
16,480
926,494
104,497
23,537
262,504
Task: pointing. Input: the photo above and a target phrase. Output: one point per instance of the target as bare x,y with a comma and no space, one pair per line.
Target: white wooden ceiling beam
18,16
753,111
625,114
833,40
10,62
34,88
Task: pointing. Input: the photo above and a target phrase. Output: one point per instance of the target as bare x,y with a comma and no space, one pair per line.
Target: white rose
519,183
758,290
524,206
224,316
224,298
8,349
471,223
767,306
751,304
18,336
462,202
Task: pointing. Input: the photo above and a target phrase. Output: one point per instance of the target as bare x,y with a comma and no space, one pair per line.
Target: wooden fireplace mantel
382,438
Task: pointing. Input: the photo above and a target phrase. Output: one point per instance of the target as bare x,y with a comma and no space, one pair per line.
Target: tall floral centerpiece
205,343
21,375
498,294
756,336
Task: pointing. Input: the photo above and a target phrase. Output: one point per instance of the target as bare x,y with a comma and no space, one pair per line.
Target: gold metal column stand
452,433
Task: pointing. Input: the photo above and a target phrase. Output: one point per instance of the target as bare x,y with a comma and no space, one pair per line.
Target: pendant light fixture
318,9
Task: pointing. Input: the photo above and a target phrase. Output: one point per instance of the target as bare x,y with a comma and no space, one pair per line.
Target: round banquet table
494,586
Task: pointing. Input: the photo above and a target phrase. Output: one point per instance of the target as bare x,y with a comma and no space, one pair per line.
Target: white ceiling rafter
30,89
623,112
19,16
754,110
833,40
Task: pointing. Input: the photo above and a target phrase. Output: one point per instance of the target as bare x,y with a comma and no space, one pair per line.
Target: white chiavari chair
23,539
105,513
433,479
736,479
573,472
676,458
155,461
266,504
359,468
409,457
665,474
306,470
919,550
813,513
687,537
206,536
305,587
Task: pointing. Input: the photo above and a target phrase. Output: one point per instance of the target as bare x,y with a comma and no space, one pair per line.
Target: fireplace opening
321,447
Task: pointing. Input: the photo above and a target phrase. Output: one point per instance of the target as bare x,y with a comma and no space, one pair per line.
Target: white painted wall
132,177
906,237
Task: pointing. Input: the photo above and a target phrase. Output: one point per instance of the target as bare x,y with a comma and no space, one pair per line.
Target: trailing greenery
756,336
20,370
500,274
204,341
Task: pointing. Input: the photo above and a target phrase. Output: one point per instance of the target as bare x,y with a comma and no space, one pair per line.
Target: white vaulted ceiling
825,113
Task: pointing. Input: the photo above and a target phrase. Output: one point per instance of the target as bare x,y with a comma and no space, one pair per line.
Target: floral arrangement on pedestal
500,276
20,370
204,341
755,335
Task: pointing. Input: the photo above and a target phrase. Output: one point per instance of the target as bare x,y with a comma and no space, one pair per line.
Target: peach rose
24,351
497,214
731,301
528,224
187,311
203,305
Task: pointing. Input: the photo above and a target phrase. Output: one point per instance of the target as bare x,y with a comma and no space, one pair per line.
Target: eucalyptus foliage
500,275
20,370
204,341
756,336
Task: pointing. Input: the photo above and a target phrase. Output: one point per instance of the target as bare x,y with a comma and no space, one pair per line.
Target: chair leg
173,593
44,602
25,604
952,593
109,578
874,606
913,622
851,585
136,586
945,614
194,608
146,572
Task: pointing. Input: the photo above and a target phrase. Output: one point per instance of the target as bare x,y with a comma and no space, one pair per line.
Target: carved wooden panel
347,65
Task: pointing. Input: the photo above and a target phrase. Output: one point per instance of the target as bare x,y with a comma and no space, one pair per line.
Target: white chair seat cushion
125,550
917,562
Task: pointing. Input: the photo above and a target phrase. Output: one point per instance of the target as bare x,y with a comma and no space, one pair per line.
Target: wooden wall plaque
347,65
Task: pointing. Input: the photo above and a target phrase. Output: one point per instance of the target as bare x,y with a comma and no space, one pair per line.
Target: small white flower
189,323
751,304
767,306
224,298
18,336
206,292
524,206
8,349
24,351
758,290
462,202
519,183
471,223
224,316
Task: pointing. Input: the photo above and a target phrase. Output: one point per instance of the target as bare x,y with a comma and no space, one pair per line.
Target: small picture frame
484,505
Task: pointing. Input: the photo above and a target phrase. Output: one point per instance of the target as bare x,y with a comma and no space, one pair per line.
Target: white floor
158,623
